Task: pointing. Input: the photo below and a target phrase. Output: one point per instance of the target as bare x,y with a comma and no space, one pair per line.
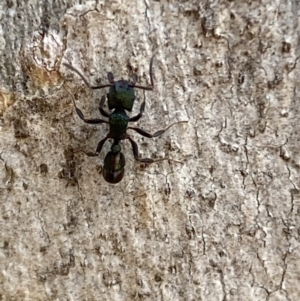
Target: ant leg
135,150
149,88
100,145
84,79
80,114
102,111
90,121
98,149
156,134
142,109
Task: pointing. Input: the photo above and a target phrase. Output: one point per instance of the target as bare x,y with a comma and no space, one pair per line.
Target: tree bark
220,221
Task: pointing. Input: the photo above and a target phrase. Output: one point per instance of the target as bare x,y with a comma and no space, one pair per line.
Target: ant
120,97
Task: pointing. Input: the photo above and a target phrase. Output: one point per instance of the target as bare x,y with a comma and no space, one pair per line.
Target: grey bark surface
222,225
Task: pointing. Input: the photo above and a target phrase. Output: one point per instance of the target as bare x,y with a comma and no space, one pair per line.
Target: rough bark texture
221,225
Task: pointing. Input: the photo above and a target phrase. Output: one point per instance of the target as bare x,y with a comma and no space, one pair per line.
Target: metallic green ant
120,97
